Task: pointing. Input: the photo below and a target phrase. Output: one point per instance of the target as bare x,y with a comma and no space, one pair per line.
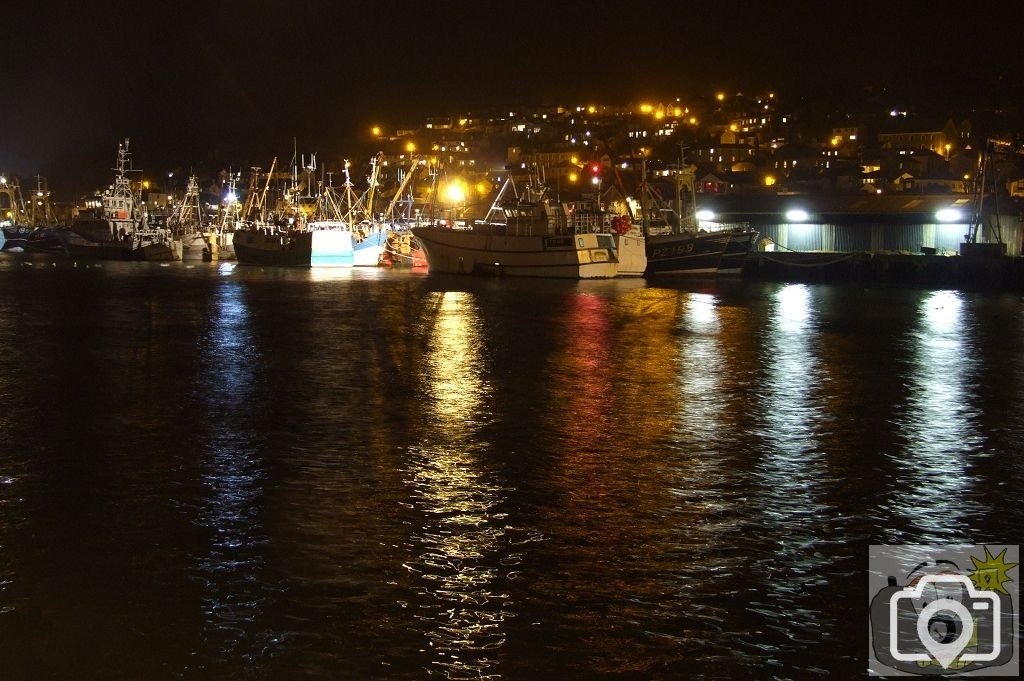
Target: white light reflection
233,476
458,555
792,468
938,424
792,473
700,371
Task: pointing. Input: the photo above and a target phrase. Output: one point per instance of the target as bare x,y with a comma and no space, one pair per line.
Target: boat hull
735,255
688,253
319,248
194,247
569,256
116,251
403,250
32,240
161,251
369,251
207,247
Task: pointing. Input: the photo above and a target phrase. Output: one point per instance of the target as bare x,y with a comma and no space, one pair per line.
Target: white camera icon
983,603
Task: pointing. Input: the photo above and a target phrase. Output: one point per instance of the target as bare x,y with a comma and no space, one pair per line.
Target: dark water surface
229,473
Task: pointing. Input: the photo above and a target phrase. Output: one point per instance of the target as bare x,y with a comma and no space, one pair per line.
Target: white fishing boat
118,228
187,223
536,239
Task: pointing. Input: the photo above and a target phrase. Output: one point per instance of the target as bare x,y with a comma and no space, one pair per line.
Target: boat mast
372,189
389,213
679,187
348,194
42,197
644,197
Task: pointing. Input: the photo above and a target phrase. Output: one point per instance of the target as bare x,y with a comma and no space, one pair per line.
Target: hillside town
803,176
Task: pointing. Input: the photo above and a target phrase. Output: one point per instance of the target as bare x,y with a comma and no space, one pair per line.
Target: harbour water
220,472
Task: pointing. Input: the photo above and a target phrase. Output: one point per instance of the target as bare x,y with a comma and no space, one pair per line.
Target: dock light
705,215
948,215
455,193
796,215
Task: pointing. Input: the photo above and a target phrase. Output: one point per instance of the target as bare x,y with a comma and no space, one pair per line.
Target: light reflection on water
792,475
700,375
458,559
233,477
396,475
939,424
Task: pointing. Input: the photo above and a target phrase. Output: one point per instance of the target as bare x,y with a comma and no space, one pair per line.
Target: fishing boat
334,232
401,248
536,239
28,226
187,224
678,246
115,227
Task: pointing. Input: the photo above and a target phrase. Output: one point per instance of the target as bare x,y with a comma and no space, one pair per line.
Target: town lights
948,215
796,215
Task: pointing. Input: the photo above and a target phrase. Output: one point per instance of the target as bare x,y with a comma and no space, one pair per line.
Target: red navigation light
595,169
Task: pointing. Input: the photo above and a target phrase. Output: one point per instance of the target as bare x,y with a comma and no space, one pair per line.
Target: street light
455,193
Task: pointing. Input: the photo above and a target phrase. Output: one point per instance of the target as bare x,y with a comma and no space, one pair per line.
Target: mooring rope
817,264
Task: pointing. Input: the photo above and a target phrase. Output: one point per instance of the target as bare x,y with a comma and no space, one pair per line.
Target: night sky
236,82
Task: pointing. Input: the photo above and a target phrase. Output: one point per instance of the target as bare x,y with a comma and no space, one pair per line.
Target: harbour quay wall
1000,272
